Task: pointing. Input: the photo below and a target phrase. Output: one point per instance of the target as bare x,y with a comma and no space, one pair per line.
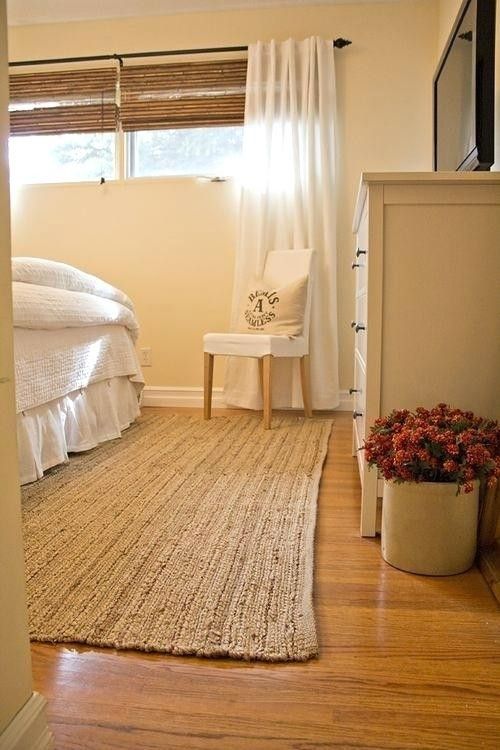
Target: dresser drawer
359,416
361,254
359,400
362,233
359,455
361,274
360,325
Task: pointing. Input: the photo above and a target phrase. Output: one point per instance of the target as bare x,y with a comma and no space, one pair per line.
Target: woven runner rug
183,537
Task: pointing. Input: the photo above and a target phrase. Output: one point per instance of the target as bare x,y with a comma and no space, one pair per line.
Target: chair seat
254,345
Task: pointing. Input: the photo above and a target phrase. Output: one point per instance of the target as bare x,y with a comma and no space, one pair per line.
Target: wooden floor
406,662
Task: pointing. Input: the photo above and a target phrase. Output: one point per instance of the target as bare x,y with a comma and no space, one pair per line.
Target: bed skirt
75,422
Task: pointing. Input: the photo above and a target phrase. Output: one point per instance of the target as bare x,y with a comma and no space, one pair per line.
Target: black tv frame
482,155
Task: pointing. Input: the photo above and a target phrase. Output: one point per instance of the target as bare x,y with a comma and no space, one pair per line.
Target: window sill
124,181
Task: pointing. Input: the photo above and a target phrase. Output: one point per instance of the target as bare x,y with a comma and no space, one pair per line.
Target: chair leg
261,376
207,385
266,388
305,379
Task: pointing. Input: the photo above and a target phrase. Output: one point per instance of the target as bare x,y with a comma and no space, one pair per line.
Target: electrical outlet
145,357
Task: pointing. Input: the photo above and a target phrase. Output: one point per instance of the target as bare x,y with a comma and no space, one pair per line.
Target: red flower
437,445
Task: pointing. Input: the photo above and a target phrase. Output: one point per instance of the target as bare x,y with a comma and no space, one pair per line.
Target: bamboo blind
69,101
183,95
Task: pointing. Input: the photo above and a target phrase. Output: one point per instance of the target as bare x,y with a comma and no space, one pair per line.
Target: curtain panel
288,202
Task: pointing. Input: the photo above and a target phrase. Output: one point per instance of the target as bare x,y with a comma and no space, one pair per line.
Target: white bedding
77,375
47,308
44,272
50,364
71,329
75,422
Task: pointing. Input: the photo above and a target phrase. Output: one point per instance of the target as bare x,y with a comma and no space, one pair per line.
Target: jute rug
183,536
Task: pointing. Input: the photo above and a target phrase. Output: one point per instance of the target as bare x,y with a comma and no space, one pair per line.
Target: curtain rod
339,43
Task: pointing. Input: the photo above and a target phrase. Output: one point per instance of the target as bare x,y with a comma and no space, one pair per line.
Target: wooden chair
282,267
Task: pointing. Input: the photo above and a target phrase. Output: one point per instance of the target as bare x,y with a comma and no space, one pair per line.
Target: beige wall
170,242
15,667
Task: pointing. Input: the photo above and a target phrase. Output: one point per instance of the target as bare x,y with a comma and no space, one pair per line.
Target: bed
78,380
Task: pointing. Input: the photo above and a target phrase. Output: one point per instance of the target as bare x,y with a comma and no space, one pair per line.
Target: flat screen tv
464,92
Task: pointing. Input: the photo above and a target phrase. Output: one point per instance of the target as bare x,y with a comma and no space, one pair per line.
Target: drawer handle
354,390
357,326
356,414
357,265
360,252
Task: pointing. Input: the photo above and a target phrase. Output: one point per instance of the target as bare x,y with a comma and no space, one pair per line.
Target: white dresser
427,315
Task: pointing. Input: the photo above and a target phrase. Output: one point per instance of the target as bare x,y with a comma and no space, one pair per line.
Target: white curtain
289,203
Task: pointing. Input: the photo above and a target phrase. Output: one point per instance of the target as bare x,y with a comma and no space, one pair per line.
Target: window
177,118
212,151
63,125
69,157
183,118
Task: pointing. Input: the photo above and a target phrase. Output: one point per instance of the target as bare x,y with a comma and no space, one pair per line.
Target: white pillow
271,310
45,272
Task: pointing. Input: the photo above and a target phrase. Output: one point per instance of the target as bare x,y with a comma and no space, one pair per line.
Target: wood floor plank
406,662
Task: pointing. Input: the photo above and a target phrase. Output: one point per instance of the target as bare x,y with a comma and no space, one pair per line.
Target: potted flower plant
432,462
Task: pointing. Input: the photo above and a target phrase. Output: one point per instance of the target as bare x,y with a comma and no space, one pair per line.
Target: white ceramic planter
428,529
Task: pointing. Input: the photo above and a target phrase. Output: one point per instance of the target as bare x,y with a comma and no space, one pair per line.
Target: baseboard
28,730
489,565
166,395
